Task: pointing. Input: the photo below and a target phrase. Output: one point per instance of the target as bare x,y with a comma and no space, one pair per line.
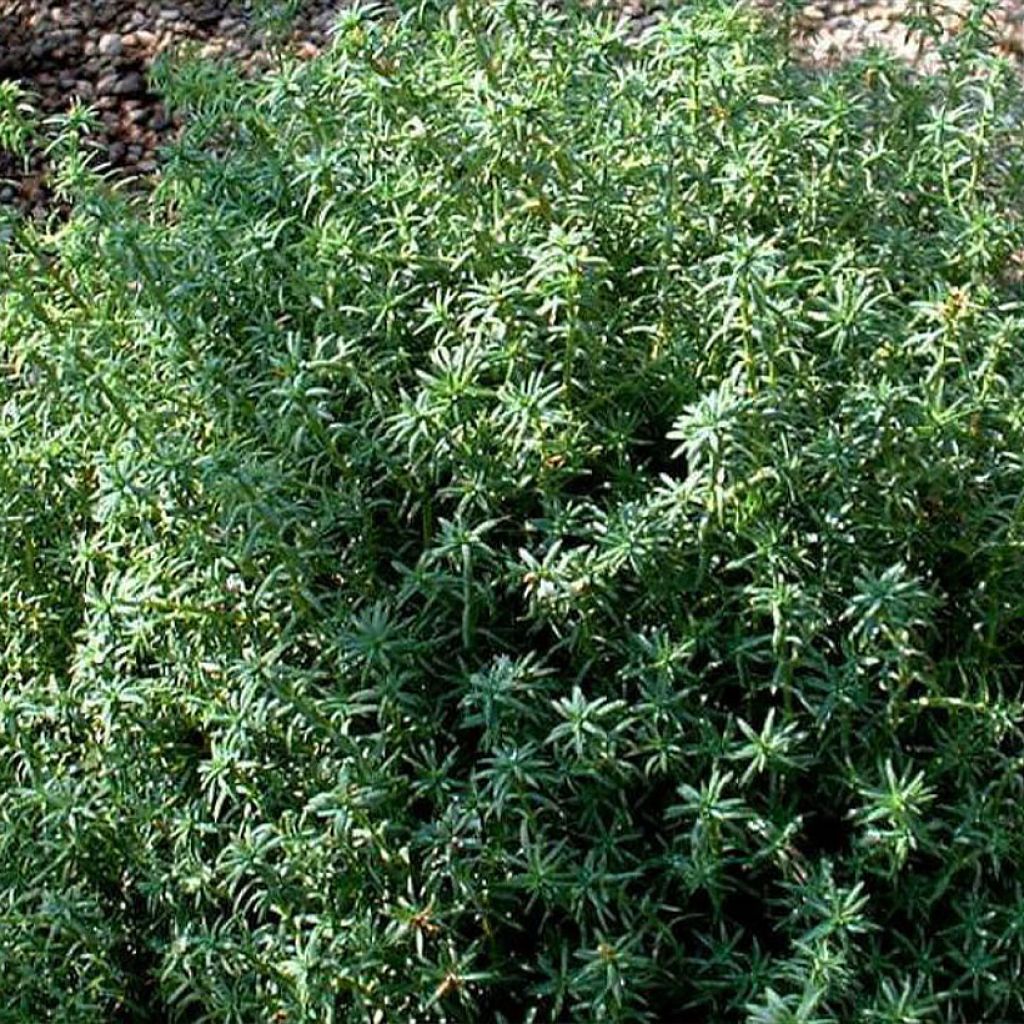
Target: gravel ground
831,31
100,50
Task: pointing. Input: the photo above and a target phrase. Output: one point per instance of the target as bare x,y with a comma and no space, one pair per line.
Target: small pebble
110,45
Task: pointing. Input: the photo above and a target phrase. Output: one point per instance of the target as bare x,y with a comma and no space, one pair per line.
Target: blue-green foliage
524,525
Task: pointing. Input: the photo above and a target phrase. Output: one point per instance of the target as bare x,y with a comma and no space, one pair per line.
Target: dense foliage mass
522,525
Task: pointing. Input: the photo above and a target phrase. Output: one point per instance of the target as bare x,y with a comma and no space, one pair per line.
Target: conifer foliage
522,524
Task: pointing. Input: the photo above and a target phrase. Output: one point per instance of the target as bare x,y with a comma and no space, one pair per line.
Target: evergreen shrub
521,524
